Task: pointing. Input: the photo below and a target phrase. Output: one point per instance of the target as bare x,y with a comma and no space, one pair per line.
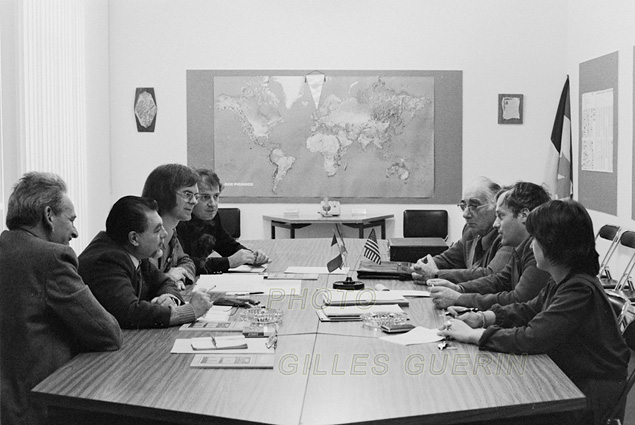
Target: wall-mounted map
290,135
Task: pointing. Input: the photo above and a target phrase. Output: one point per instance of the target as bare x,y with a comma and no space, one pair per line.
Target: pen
238,294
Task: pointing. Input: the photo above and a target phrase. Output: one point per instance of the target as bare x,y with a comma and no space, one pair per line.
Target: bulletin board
598,122
370,136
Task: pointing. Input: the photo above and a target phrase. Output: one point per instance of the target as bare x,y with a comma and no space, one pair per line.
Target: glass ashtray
261,316
377,319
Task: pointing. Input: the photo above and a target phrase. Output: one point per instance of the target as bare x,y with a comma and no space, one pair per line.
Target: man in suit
137,293
47,313
480,251
520,280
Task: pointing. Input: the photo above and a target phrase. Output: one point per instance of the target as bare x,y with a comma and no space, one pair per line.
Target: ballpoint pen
239,294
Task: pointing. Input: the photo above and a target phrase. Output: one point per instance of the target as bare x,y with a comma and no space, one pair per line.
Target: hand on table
425,268
443,297
458,330
240,257
260,258
201,301
179,275
164,300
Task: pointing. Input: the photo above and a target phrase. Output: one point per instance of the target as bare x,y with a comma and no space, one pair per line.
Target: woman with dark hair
174,188
571,319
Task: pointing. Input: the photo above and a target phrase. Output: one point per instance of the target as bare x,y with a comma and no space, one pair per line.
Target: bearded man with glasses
174,188
480,251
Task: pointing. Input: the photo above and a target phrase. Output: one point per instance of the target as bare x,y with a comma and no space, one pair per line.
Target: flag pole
347,284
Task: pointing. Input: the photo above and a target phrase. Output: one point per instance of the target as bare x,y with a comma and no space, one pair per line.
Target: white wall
594,30
502,46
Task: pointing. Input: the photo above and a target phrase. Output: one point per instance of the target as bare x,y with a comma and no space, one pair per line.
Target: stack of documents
247,284
353,312
418,335
334,297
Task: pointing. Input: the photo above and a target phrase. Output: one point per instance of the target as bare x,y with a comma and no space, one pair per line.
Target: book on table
353,313
234,361
386,270
334,297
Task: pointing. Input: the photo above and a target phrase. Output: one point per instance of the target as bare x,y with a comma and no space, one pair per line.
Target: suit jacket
109,271
460,262
520,281
47,316
199,238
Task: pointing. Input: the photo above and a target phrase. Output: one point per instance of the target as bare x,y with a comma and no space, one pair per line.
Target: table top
317,218
323,373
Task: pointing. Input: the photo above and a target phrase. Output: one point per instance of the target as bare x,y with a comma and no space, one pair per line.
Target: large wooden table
325,372
359,222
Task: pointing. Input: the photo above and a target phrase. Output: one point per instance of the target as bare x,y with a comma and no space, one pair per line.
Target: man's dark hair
209,178
31,195
564,229
163,182
128,214
525,195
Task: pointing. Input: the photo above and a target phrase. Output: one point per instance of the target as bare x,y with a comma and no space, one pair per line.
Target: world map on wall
337,136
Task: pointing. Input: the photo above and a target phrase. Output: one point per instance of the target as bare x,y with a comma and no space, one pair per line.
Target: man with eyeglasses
133,290
205,239
174,188
480,251
521,280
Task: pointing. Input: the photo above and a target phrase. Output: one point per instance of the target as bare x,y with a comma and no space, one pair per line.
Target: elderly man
47,313
521,280
479,252
137,293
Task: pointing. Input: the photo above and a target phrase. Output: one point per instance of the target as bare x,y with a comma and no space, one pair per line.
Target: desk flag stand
340,261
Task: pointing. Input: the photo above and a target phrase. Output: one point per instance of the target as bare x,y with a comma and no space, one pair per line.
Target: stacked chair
610,233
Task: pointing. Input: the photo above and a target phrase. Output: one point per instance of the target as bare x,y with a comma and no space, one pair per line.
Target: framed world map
293,136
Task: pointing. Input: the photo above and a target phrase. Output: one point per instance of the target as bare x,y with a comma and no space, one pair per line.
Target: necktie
138,276
478,252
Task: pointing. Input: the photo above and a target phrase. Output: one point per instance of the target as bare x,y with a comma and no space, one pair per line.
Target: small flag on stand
338,261
559,167
371,248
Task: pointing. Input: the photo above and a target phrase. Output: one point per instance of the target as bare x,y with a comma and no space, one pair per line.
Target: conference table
324,372
356,221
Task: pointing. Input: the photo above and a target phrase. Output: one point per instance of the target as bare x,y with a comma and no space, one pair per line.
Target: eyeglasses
188,196
204,198
471,206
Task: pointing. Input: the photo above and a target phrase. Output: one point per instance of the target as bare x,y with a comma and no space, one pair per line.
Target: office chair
628,240
425,224
627,328
610,233
230,219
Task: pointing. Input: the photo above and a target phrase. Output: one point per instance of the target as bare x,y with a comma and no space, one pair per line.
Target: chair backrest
628,240
230,218
425,224
610,233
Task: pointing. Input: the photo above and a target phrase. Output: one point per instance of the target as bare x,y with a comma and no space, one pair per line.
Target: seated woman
205,239
571,319
174,188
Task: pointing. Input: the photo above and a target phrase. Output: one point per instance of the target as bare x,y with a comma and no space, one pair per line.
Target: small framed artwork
145,109
510,108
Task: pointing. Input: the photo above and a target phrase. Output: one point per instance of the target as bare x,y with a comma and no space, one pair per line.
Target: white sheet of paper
364,297
403,292
318,270
419,335
217,313
254,345
248,268
247,282
354,310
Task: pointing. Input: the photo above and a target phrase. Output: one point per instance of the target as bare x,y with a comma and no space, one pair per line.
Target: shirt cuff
182,314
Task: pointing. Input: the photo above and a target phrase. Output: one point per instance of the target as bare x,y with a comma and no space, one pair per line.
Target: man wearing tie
480,251
137,293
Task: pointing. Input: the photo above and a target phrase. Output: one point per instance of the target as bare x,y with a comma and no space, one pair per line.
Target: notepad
335,297
404,292
208,343
419,335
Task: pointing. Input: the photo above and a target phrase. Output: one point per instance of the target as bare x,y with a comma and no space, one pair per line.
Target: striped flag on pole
559,166
371,248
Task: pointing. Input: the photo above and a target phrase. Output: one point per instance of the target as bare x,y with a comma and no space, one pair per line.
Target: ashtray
261,316
377,319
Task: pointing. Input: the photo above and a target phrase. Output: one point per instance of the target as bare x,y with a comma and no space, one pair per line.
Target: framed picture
510,108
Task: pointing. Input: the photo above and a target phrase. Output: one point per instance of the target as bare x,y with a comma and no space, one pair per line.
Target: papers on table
418,335
254,345
247,282
403,292
207,343
353,312
220,326
335,297
318,270
249,268
234,361
217,313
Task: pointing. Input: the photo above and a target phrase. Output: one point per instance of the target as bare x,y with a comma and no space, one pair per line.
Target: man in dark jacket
47,313
136,292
